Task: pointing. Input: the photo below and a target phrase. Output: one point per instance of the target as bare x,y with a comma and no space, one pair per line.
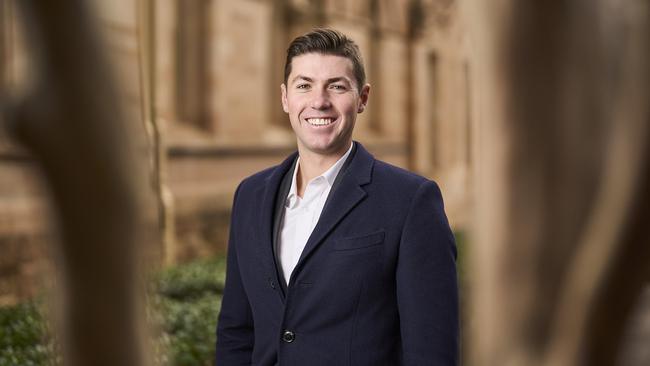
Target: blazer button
272,283
288,336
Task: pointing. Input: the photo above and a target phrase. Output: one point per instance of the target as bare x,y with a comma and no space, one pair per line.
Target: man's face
322,100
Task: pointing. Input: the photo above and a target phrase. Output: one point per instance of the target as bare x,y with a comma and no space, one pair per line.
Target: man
336,258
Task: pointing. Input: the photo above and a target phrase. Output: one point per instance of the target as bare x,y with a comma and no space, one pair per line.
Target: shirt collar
329,175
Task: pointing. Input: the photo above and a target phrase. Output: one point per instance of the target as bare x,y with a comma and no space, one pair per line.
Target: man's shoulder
403,179
257,179
261,175
261,178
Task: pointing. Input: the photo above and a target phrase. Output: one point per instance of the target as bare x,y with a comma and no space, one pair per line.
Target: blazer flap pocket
362,241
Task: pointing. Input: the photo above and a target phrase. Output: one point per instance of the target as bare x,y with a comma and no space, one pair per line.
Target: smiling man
336,258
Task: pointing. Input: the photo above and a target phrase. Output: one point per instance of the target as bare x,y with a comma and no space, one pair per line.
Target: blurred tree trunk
72,122
562,243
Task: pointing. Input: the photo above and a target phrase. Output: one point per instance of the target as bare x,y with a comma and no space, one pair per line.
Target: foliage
183,307
193,280
185,310
24,337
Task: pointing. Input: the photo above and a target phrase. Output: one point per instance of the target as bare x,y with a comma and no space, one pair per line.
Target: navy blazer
375,285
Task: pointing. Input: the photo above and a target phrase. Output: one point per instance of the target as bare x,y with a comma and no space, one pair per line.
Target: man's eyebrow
302,77
329,81
337,79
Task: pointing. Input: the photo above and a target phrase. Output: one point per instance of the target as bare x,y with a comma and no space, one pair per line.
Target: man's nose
321,100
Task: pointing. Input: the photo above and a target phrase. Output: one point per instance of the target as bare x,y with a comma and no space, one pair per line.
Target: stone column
239,72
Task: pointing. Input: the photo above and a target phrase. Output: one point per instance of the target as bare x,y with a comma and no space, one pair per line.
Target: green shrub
184,307
24,337
195,279
188,331
185,310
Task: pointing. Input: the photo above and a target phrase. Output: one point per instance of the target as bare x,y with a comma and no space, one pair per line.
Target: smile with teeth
320,121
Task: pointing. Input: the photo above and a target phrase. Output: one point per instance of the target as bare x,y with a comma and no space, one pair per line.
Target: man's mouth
320,121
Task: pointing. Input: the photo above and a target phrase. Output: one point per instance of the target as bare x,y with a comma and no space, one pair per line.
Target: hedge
183,307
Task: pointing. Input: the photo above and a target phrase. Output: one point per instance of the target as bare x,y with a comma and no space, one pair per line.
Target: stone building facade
217,66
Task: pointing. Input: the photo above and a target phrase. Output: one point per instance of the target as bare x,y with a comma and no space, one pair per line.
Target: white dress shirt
302,214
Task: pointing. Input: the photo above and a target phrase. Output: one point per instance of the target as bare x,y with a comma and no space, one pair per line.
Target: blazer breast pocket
359,243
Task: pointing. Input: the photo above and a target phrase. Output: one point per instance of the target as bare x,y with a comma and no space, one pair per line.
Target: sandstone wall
217,75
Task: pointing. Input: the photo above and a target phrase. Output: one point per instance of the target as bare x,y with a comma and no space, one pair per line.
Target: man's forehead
321,66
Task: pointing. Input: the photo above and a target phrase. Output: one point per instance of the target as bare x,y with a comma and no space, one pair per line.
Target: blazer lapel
343,198
267,210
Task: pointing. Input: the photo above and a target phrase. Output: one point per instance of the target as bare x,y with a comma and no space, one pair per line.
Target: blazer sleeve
427,290
235,337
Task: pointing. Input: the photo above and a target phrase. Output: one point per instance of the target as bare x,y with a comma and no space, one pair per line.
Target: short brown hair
329,42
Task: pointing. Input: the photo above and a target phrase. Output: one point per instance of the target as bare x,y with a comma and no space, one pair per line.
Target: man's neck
312,165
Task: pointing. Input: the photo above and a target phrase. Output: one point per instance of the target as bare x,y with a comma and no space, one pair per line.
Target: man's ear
285,105
363,98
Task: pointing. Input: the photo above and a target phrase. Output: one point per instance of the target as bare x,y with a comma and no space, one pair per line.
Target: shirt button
288,336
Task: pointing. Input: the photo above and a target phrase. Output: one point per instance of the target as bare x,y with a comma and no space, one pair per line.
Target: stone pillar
280,131
187,34
390,91
166,59
239,71
426,101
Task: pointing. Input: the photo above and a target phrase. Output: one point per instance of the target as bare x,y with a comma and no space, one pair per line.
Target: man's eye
337,87
302,86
